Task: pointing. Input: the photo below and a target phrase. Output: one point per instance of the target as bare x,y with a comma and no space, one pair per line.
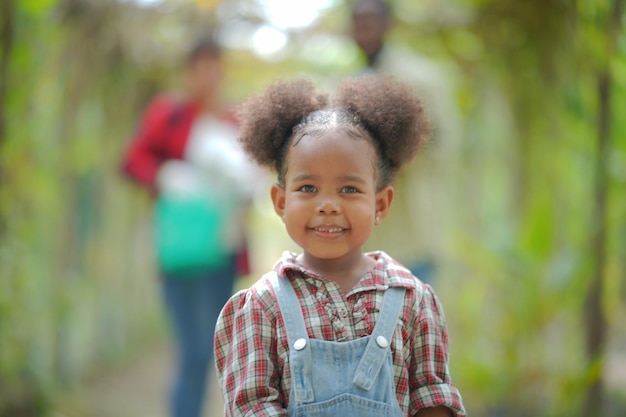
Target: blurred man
419,233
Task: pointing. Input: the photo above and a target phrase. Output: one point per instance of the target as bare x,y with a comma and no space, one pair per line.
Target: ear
278,199
383,202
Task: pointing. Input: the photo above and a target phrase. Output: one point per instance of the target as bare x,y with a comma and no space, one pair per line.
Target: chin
327,254
322,255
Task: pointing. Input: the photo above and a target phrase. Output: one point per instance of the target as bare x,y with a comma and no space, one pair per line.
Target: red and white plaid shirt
252,352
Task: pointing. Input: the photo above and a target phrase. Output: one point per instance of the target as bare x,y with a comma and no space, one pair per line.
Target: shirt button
299,344
343,312
382,341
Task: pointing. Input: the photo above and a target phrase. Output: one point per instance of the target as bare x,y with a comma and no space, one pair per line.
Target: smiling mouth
329,230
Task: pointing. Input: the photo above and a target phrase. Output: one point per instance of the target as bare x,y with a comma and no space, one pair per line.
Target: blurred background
534,288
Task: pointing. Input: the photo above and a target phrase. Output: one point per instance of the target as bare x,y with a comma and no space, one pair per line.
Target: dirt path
139,390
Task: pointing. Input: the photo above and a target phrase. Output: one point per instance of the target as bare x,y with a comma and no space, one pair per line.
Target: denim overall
340,379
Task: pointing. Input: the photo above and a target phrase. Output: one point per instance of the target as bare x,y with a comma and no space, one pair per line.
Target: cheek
295,210
365,211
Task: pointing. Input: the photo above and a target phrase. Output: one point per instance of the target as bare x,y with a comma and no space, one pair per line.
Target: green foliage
527,271
75,288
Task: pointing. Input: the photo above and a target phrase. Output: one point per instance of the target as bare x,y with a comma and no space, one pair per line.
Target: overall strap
297,337
380,339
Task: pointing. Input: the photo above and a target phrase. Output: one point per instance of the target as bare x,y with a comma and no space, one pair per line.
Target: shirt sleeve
246,358
429,377
144,155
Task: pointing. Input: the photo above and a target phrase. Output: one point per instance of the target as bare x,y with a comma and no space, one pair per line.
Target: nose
328,205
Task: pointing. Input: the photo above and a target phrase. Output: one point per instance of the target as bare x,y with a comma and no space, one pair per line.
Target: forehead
367,9
332,153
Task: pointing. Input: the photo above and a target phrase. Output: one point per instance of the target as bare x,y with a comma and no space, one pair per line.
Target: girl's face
329,202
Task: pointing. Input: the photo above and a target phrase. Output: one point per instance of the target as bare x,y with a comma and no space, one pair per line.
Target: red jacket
162,134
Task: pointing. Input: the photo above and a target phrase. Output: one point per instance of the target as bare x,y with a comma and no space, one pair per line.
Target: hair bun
390,112
268,118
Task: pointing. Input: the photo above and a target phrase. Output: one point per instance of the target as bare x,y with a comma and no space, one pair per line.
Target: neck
206,105
372,59
345,271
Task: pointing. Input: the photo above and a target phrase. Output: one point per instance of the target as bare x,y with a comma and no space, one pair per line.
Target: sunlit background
534,288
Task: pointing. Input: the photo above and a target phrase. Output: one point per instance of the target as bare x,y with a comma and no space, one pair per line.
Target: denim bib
345,379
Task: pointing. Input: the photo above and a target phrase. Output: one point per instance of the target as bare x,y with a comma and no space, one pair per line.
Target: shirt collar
385,273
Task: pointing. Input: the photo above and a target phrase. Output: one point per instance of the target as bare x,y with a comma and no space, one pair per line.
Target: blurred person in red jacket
186,154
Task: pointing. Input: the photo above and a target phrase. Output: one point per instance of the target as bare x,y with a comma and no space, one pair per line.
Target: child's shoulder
397,275
263,288
393,271
258,296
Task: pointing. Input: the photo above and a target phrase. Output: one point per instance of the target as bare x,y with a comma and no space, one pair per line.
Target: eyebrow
345,178
353,178
305,177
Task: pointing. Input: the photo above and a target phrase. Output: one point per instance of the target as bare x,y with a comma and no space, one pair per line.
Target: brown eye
307,188
349,189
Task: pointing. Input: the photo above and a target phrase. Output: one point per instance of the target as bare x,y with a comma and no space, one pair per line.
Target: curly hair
373,107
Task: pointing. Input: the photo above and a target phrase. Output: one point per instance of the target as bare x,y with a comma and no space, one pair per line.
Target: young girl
334,331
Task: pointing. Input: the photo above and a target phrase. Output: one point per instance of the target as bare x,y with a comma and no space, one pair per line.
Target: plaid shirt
252,352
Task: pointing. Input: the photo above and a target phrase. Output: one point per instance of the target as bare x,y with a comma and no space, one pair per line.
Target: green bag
189,233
